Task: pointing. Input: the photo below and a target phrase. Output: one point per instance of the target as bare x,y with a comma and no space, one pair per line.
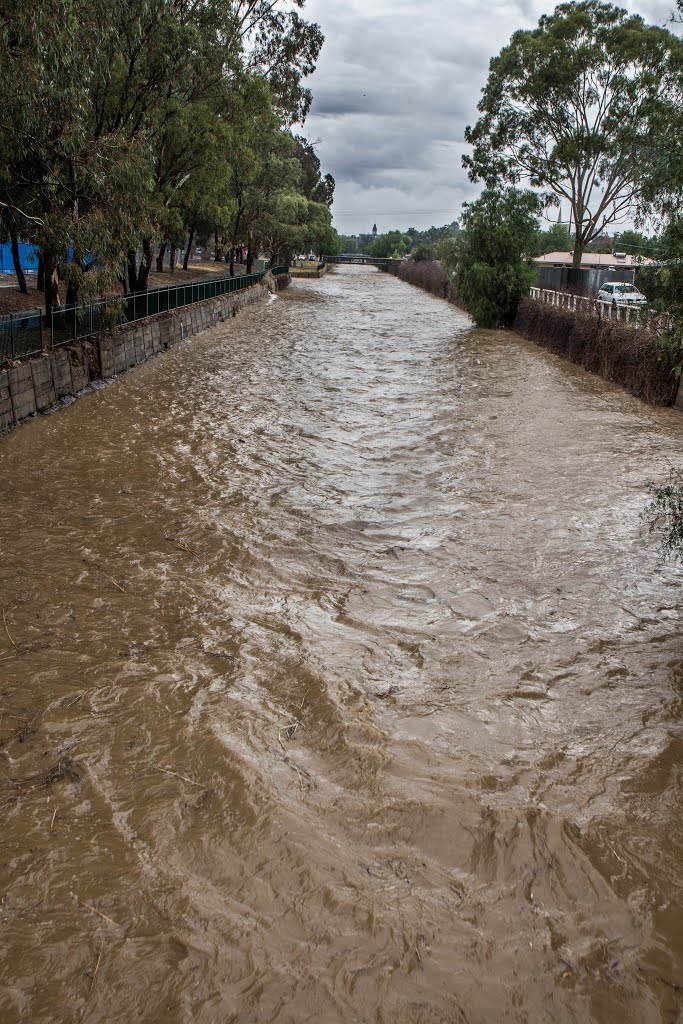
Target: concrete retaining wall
38,384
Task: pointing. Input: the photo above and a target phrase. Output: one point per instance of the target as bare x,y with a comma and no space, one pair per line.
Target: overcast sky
396,84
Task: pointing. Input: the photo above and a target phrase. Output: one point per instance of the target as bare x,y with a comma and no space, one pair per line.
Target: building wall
583,282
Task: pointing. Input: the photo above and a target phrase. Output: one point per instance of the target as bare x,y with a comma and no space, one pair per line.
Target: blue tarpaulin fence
28,257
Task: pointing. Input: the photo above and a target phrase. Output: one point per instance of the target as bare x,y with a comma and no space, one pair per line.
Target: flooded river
339,682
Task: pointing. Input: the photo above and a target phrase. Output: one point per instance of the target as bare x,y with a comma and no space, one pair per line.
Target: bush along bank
430,275
635,359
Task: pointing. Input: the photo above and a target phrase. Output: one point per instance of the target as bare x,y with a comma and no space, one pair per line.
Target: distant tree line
396,244
129,126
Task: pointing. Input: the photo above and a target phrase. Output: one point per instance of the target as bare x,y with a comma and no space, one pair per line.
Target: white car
621,293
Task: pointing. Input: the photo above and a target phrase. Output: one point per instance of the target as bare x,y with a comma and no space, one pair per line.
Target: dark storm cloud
397,82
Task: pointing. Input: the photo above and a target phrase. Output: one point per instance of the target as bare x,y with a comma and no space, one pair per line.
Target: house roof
593,259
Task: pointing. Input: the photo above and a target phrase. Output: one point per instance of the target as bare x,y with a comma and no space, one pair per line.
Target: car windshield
624,289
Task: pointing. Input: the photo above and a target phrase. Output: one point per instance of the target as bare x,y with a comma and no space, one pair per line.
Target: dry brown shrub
612,350
429,275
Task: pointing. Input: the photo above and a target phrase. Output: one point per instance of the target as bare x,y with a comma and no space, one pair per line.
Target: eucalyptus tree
280,46
61,183
490,261
314,185
108,113
570,108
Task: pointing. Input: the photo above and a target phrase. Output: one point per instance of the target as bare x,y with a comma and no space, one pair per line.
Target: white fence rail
636,317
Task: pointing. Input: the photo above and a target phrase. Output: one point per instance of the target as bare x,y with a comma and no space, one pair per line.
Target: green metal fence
20,334
71,323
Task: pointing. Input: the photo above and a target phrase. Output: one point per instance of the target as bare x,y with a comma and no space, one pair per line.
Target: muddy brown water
339,682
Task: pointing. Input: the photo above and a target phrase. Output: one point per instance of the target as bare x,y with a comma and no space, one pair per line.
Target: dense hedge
615,351
427,274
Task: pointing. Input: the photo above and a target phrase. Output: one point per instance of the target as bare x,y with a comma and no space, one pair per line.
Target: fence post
11,333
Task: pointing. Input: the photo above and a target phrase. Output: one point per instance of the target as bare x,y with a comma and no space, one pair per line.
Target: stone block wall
21,390
38,384
6,407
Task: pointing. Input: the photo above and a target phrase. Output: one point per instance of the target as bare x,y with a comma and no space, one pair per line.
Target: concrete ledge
37,384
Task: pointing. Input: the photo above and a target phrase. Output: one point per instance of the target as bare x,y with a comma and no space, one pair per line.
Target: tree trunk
250,251
72,288
18,270
71,294
132,271
145,265
216,248
160,258
40,283
232,261
190,240
171,259
51,284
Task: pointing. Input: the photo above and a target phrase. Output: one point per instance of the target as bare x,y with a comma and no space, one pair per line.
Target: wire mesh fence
72,323
20,334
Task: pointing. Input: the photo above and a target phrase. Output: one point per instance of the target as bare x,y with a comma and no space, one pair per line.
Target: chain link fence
20,334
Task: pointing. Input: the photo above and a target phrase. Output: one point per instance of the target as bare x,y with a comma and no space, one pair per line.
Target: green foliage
348,243
399,241
313,185
663,285
555,239
635,243
575,108
603,244
384,246
490,262
664,514
423,253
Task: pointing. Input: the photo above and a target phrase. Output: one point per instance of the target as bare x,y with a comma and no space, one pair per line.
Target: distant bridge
360,261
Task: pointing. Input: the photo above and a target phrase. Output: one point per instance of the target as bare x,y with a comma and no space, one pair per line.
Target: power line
384,213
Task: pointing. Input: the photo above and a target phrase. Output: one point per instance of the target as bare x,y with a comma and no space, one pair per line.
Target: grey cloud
396,84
